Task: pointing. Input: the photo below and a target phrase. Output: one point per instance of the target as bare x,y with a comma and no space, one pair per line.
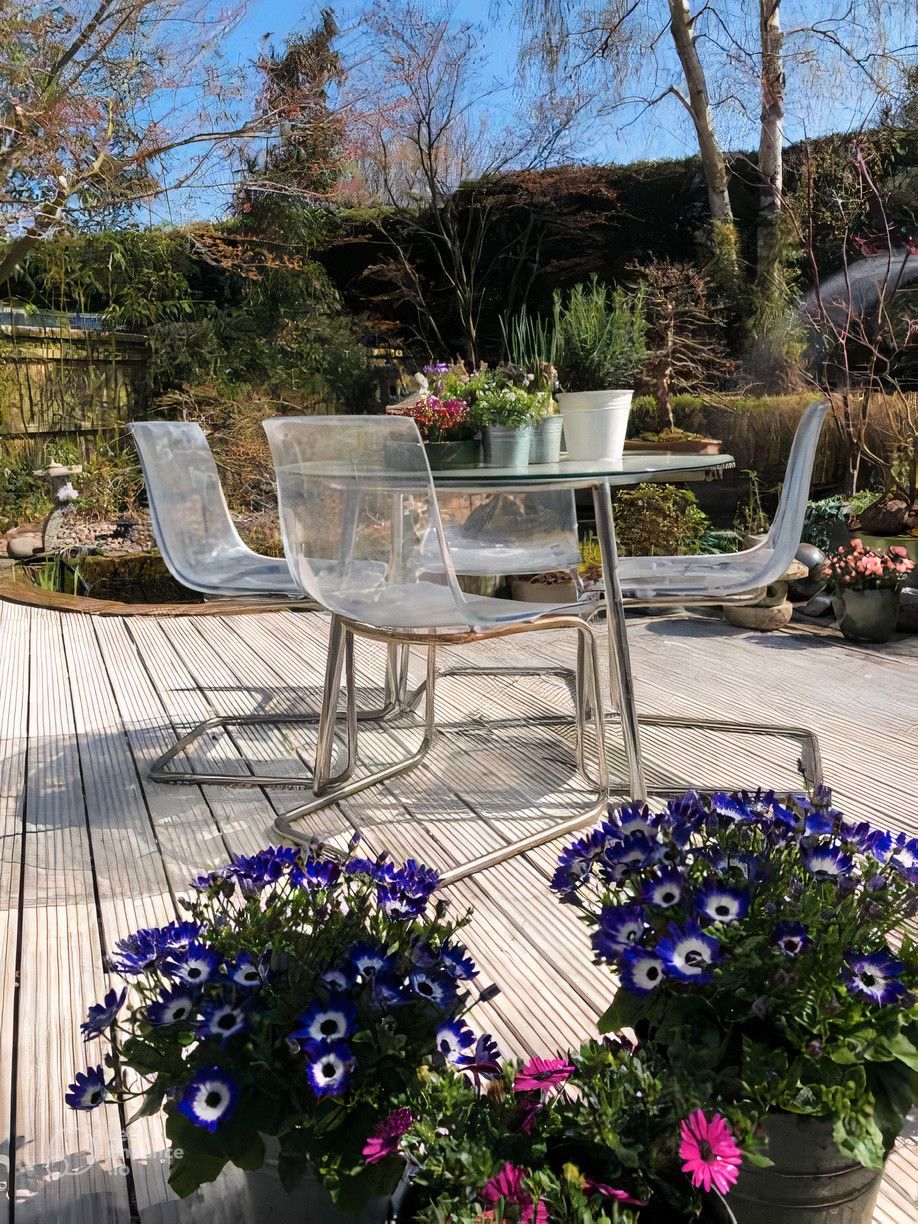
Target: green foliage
24,498
751,518
658,520
821,520
530,345
600,337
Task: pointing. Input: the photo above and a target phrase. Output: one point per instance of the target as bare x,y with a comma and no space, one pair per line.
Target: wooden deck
92,850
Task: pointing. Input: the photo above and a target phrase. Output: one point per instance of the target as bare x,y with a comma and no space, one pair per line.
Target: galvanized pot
444,455
506,448
867,616
810,1182
546,441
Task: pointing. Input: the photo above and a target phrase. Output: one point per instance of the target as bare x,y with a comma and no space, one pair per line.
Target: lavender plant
758,953
297,1001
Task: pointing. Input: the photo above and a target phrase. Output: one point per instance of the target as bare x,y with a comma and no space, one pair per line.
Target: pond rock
22,547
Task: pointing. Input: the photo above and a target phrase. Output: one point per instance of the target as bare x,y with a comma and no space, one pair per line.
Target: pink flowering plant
442,420
856,568
756,943
297,1000
593,1137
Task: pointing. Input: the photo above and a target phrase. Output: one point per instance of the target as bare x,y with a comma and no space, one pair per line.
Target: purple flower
453,1039
370,961
102,1015
386,1137
221,1019
209,1098
577,861
874,976
248,971
88,1090
826,862
641,971
722,904
329,1069
195,965
791,938
172,1007
328,1022
483,1063
435,988
688,953
664,888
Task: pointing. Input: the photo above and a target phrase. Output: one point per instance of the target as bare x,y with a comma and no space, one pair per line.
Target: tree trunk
12,255
682,24
769,261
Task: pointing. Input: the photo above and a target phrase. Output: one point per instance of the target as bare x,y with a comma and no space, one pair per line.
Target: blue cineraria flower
369,961
248,971
458,963
634,818
664,888
329,1070
397,904
483,1062
577,861
328,1022
146,947
433,987
632,853
338,979
88,1090
388,991
454,1039
315,874
621,927
379,870
688,953
730,806
826,862
641,971
195,966
221,1019
684,817
722,904
791,938
874,976
875,842
102,1015
209,1098
904,857
172,1007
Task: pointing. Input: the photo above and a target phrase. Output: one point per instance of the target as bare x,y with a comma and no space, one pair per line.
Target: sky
826,95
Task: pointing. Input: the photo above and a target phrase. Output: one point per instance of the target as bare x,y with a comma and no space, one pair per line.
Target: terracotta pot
679,446
810,1182
867,616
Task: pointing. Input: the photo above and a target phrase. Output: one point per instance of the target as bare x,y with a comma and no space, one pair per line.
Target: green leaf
145,1059
897,1047
859,1137
353,1193
193,1171
152,1101
623,1012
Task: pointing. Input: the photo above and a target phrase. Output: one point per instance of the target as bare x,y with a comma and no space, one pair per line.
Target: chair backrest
359,518
784,536
191,520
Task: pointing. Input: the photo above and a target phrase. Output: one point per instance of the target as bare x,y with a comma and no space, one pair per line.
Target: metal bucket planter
867,616
441,455
309,1201
810,1182
506,448
595,423
546,441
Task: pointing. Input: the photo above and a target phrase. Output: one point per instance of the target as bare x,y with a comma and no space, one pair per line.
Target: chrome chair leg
159,771
346,786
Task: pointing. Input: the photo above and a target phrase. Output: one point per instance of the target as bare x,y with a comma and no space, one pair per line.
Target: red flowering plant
593,1137
441,420
856,568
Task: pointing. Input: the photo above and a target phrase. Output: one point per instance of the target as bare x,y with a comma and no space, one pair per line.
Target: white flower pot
595,423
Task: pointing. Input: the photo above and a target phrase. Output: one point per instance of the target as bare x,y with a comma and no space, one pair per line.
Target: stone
22,547
757,617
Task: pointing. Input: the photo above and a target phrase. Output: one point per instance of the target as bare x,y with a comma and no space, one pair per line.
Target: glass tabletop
633,468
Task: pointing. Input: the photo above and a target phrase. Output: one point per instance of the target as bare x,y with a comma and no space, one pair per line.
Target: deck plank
106,849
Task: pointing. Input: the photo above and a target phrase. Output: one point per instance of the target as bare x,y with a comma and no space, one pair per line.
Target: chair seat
428,606
718,574
242,572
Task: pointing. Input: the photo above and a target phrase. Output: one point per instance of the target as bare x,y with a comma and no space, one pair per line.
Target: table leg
620,679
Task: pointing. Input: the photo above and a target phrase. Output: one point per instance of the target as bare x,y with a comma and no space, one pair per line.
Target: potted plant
530,346
758,957
596,1135
275,1025
865,588
446,431
599,349
505,413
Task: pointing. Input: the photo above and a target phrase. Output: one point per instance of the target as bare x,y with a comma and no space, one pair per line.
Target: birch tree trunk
769,263
682,25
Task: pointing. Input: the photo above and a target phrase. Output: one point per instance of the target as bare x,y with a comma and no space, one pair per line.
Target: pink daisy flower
709,1152
540,1074
509,1185
591,1187
385,1139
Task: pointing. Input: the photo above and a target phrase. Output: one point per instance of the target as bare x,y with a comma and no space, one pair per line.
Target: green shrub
657,520
600,337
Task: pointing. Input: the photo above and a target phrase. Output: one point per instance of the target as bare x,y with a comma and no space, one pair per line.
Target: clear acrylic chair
364,538
203,551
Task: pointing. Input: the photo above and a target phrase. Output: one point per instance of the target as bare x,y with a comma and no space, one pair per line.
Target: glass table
600,476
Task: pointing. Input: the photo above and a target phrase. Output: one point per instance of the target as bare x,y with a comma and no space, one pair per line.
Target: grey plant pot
444,455
867,616
506,448
546,441
810,1182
